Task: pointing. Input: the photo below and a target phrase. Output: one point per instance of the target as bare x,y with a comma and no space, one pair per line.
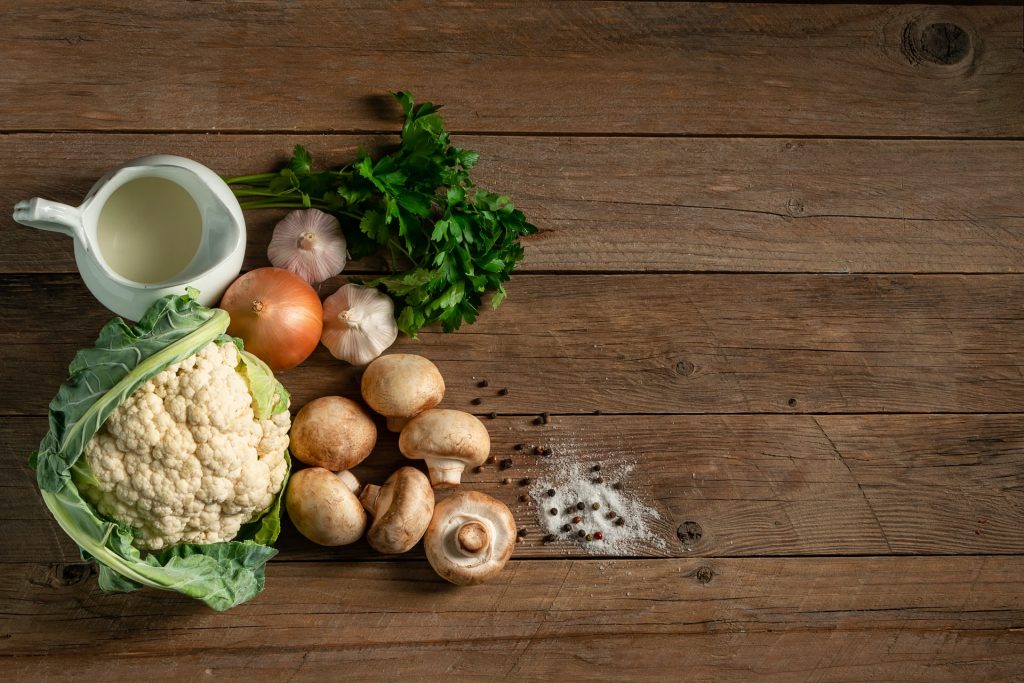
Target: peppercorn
598,535
620,521
590,537
493,415
553,511
546,451
522,532
477,401
549,538
598,480
544,417
525,481
580,506
482,383
581,533
595,506
577,520
506,463
596,468
523,498
612,514
567,527
478,469
551,493
617,485
537,450
503,391
518,447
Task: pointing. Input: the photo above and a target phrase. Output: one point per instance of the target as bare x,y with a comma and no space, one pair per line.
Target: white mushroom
449,441
401,510
400,386
332,432
470,538
324,507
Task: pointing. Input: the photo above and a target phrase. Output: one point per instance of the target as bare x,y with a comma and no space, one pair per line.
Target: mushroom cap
448,440
470,537
401,509
323,506
332,432
401,385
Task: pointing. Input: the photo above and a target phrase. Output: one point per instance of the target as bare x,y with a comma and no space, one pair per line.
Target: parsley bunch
419,206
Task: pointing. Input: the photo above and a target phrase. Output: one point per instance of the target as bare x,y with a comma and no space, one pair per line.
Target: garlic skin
359,323
309,243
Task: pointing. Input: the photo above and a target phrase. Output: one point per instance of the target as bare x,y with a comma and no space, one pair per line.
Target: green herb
448,243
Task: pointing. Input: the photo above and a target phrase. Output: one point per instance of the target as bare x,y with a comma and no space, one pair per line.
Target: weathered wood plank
649,344
734,485
561,67
633,204
891,619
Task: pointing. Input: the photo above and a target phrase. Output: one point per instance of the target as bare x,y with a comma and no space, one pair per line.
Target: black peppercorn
482,383
549,538
580,506
522,532
553,511
598,480
518,447
617,485
538,421
551,493
596,468
477,401
620,521
525,481
493,415
523,498
546,452
581,533
503,391
567,527
506,463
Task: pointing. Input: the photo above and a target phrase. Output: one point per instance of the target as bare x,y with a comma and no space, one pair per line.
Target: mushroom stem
472,538
349,480
397,424
369,498
445,473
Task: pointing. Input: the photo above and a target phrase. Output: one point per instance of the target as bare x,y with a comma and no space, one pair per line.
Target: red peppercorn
577,519
598,535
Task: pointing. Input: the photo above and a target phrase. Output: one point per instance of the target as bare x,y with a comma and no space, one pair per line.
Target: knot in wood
704,575
685,368
689,533
70,574
939,42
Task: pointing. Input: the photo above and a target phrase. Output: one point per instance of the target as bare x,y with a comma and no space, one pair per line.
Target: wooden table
778,268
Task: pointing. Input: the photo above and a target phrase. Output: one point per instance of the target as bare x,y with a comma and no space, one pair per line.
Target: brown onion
277,314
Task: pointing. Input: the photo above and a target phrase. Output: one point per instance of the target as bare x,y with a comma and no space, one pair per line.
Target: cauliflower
184,458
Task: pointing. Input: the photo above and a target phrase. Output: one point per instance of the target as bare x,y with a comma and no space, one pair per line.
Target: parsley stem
251,179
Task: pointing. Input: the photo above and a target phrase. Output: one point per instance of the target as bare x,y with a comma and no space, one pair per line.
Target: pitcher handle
46,215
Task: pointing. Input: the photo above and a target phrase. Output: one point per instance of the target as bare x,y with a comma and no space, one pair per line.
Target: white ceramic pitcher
217,260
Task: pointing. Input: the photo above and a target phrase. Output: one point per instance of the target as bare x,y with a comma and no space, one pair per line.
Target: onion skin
277,315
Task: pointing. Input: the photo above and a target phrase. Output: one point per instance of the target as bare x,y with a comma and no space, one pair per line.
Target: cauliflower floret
184,458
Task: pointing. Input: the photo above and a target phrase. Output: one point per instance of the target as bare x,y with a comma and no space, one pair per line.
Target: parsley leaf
417,205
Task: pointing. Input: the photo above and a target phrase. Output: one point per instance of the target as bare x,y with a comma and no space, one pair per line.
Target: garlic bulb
310,244
359,323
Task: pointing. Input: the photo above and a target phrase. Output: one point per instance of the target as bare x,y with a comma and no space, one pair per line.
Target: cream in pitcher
151,227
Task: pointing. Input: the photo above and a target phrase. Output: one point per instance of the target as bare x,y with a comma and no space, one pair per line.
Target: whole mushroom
324,507
401,510
470,538
400,386
449,441
332,432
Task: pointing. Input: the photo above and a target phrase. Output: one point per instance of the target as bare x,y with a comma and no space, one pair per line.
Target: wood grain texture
719,485
560,67
891,619
631,204
649,344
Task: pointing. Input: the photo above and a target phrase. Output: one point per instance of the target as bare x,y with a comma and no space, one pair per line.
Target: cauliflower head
185,458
